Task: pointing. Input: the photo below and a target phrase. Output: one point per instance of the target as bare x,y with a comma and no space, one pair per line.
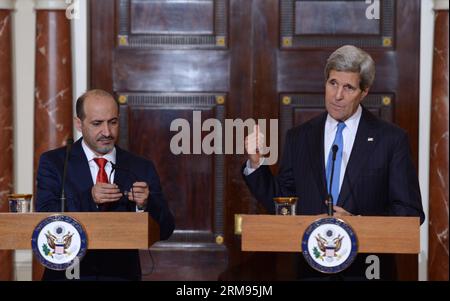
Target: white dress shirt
348,134
90,155
111,157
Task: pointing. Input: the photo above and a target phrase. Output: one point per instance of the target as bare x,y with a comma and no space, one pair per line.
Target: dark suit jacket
122,264
380,179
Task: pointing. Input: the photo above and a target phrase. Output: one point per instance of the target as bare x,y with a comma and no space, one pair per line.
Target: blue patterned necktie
338,140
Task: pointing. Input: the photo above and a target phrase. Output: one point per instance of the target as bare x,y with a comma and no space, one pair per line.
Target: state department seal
329,245
57,241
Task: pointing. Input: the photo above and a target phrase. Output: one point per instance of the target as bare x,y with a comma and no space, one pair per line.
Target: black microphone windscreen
335,148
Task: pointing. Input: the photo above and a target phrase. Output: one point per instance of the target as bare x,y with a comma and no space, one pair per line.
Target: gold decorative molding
287,41
220,99
238,224
220,41
123,40
286,100
219,239
387,101
387,41
123,99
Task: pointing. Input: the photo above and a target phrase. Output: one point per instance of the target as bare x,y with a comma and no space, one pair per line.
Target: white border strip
7,4
441,4
23,265
426,74
79,55
51,4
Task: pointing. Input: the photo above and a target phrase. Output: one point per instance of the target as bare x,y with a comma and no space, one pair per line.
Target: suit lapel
121,176
81,174
316,152
365,141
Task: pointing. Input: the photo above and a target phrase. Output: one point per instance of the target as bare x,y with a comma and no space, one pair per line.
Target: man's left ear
77,122
364,93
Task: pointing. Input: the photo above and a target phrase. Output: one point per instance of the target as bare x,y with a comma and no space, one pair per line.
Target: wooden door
229,59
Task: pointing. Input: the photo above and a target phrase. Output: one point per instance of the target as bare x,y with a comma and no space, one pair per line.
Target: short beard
104,150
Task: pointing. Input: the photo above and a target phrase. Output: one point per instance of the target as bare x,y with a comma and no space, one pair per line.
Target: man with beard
93,183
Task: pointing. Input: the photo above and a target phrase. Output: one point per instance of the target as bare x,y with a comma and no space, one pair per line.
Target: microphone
334,149
115,167
69,143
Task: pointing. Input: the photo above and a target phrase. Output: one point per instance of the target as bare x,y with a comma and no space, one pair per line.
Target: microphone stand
334,149
69,143
114,167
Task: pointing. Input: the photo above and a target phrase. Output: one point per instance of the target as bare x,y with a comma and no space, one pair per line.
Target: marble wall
6,129
438,258
53,86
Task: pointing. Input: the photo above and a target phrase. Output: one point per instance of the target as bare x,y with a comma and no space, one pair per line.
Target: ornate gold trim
287,42
387,101
123,99
19,196
220,41
123,40
220,99
219,239
238,224
387,41
286,100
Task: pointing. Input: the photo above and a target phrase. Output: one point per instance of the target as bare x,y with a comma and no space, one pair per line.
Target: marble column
53,82
438,231
6,124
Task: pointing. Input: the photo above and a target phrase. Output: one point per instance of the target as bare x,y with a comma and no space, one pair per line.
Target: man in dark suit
99,174
374,174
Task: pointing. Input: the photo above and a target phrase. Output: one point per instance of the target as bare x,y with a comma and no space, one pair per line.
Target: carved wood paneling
255,70
193,183
172,17
319,24
187,24
180,70
326,12
296,109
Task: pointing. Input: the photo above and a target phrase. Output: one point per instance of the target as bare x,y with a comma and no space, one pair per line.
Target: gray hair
352,59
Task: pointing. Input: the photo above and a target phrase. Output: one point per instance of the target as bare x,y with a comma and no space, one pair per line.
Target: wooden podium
271,233
105,230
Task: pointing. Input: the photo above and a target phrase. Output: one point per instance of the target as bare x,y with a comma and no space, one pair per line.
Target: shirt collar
351,123
90,155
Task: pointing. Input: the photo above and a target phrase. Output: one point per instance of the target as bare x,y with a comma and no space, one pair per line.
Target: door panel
238,59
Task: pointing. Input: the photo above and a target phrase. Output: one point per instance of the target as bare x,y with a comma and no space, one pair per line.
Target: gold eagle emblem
323,243
52,240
